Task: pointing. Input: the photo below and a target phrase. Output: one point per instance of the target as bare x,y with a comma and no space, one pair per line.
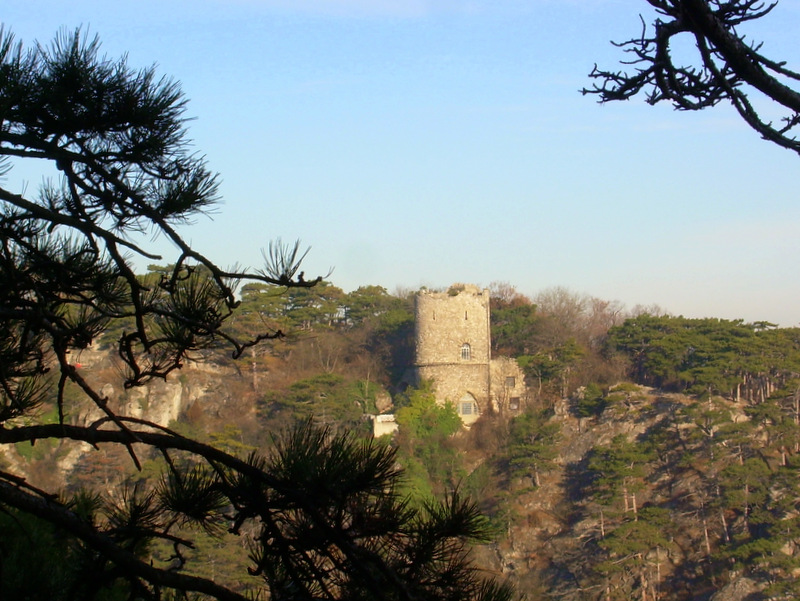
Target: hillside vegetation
657,459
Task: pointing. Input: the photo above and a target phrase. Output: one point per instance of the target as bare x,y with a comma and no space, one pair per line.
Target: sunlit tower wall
453,346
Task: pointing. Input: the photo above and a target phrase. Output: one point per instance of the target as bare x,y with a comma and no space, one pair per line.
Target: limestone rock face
158,401
741,589
215,395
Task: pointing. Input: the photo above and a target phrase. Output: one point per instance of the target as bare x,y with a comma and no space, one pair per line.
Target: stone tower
453,347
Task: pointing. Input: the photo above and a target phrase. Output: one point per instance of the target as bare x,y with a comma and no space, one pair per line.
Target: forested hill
563,340
658,457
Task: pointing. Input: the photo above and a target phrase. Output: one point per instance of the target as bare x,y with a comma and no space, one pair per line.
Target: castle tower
453,347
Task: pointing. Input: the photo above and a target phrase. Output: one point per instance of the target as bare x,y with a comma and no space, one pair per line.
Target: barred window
466,352
467,405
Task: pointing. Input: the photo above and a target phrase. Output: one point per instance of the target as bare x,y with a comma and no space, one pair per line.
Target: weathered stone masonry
453,349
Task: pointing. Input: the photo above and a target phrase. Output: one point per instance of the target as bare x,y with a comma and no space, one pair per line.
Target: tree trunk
706,538
602,525
255,369
643,584
797,417
656,591
724,522
724,526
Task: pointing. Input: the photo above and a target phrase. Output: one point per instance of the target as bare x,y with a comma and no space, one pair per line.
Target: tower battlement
452,328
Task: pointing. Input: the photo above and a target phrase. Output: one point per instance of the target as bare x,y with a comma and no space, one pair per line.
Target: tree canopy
709,356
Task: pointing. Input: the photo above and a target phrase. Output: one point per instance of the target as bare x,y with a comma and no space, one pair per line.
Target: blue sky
416,142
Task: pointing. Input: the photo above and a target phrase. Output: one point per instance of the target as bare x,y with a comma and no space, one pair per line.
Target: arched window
466,352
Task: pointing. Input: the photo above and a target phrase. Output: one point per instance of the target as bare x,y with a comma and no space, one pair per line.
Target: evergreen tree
328,520
532,440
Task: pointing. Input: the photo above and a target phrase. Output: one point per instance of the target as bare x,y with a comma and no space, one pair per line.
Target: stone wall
445,321
508,391
453,349
453,346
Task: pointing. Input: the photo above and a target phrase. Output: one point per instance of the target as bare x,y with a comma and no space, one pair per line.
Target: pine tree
329,522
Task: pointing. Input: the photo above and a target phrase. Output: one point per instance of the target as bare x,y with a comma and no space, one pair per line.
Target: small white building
383,424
